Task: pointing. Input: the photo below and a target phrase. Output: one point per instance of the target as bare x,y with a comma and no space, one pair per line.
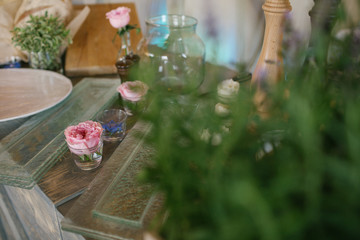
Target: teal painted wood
97,213
10,224
31,150
125,200
27,214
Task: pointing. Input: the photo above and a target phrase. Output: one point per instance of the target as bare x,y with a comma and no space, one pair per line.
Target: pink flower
84,137
133,91
119,17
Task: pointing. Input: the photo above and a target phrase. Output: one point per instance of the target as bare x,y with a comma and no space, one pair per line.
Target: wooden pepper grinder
268,70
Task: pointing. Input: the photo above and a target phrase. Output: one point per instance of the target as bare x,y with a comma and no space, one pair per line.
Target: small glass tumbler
131,107
87,158
113,122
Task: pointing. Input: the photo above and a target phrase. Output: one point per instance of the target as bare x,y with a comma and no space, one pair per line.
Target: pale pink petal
83,137
133,91
119,17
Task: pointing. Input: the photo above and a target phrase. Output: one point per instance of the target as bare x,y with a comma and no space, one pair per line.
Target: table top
93,51
29,151
109,197
107,200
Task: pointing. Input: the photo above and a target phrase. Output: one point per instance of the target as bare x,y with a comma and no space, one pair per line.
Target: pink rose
84,137
119,17
133,91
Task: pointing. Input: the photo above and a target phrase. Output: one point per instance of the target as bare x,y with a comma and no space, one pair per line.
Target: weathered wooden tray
31,150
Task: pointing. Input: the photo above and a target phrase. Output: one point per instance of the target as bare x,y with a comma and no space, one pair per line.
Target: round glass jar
174,52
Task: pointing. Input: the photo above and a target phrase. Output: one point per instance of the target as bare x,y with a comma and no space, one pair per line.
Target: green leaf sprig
41,34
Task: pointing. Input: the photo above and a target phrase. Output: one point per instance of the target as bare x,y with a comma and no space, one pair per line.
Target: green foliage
294,175
127,28
41,34
122,31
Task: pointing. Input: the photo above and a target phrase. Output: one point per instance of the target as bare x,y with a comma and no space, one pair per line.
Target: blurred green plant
42,37
294,175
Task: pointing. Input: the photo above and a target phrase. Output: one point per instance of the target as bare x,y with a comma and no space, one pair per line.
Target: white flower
205,135
227,90
150,236
216,139
225,129
222,109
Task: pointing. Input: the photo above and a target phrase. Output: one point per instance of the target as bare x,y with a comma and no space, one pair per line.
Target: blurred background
237,24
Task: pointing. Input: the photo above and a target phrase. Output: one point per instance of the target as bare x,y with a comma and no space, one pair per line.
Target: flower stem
124,44
85,158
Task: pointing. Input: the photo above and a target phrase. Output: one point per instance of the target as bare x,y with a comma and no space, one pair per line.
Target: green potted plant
292,175
42,37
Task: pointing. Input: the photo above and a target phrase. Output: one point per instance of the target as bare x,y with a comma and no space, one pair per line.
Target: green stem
124,44
88,158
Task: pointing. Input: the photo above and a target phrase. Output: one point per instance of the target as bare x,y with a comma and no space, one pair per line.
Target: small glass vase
46,61
87,158
113,122
126,58
133,108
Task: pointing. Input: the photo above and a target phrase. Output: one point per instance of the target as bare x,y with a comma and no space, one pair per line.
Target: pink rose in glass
119,17
84,137
133,91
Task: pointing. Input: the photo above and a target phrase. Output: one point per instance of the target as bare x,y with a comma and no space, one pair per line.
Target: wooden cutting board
93,52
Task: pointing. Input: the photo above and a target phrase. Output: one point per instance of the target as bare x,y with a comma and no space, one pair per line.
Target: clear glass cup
132,108
46,61
87,158
113,122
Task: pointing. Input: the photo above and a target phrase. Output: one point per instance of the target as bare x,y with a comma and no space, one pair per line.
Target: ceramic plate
24,92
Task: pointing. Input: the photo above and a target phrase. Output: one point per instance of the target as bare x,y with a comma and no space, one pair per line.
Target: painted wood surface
92,214
32,149
65,181
29,214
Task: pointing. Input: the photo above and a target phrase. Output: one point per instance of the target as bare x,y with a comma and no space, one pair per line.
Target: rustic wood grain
81,217
66,181
92,51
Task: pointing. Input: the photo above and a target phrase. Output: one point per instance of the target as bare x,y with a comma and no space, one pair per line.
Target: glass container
126,58
87,158
113,122
45,60
174,52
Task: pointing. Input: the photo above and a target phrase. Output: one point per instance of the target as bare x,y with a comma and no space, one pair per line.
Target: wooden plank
29,214
92,51
114,223
66,181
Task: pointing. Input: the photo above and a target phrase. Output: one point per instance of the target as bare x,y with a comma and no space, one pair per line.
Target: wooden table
92,51
98,204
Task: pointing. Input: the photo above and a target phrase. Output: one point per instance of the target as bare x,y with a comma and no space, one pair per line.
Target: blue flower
113,127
